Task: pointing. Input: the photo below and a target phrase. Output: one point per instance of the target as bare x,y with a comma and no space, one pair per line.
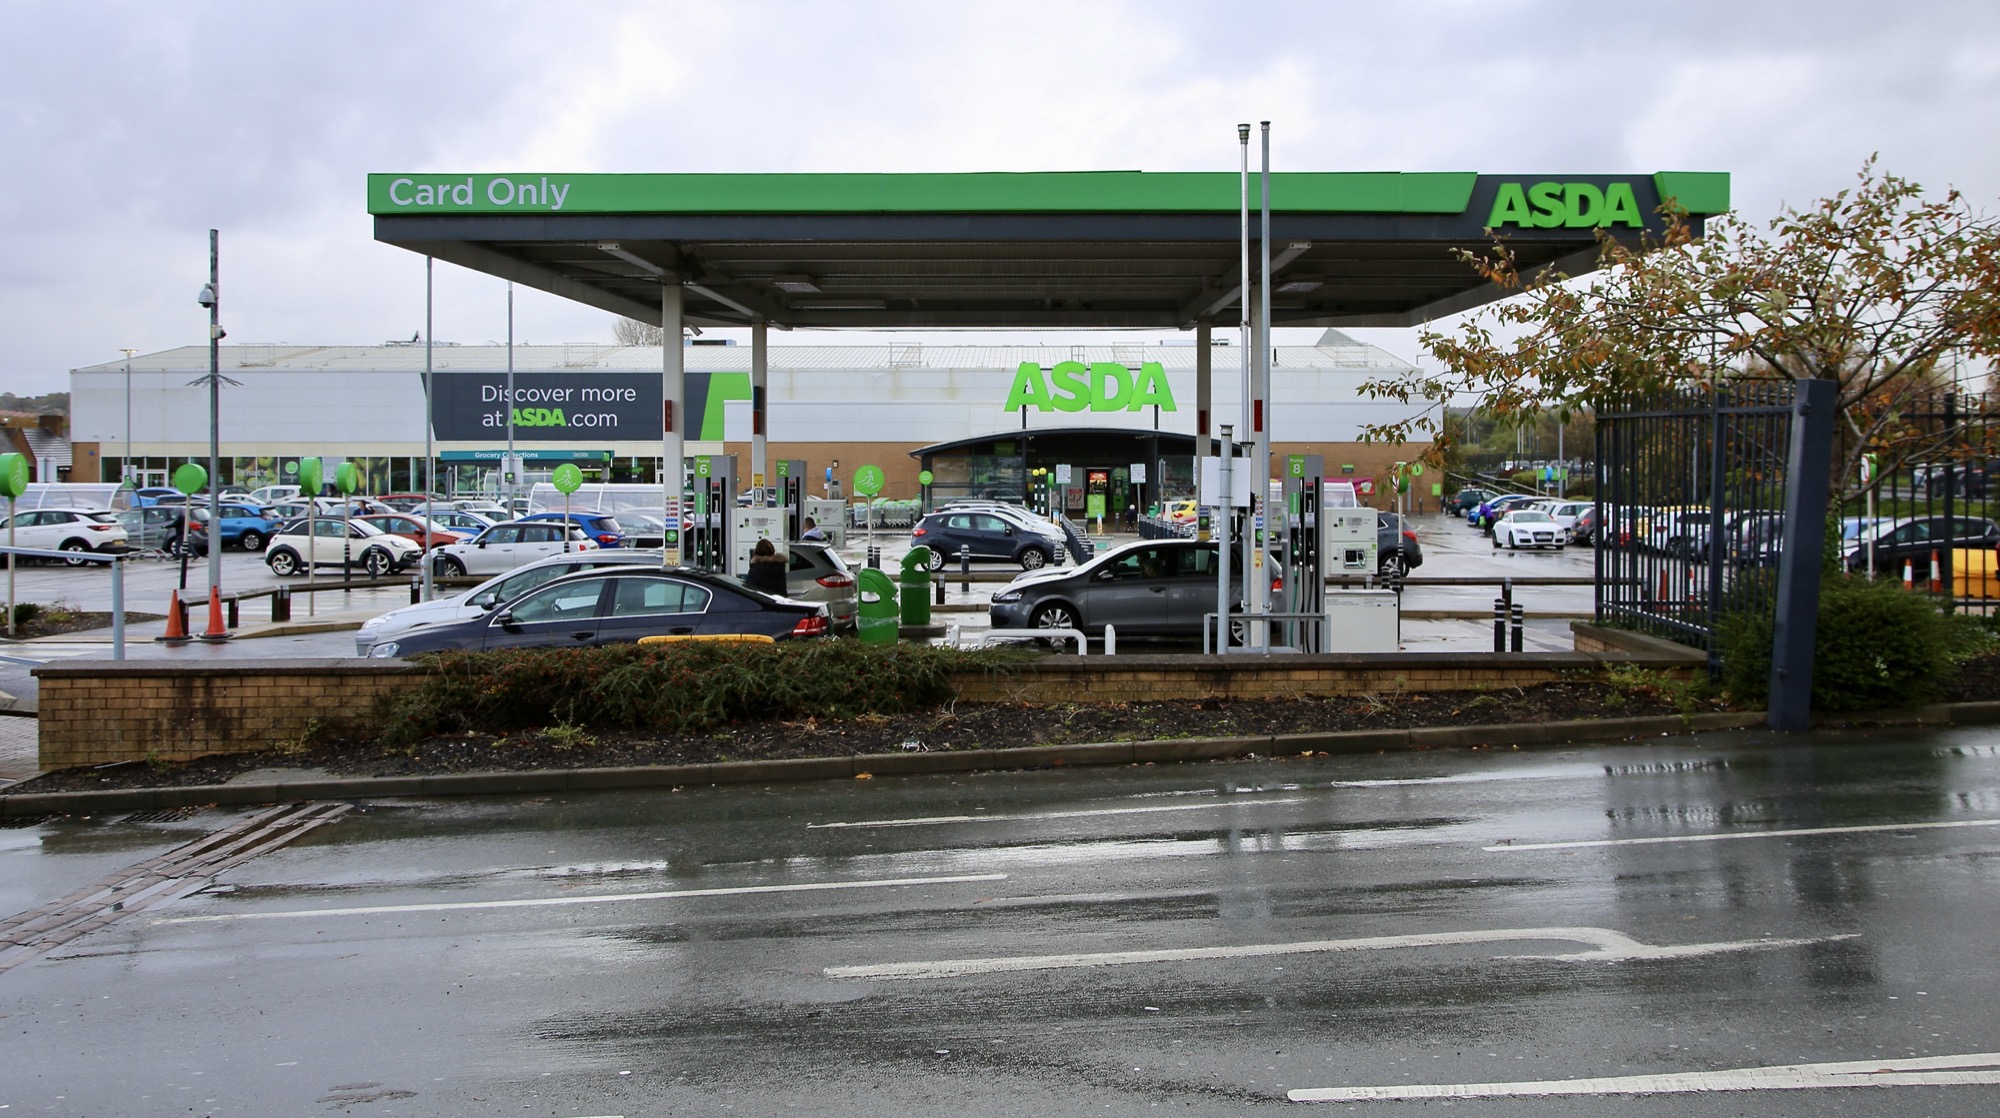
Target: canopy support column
759,376
673,419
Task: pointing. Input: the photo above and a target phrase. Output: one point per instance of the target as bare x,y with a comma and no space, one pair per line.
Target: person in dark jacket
767,569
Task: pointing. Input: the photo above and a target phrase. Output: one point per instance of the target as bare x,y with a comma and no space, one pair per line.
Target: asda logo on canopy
1572,205
1099,386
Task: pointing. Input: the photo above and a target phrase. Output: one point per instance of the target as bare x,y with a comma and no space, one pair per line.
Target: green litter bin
878,619
917,586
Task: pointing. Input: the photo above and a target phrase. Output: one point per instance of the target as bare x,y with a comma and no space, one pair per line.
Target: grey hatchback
1160,588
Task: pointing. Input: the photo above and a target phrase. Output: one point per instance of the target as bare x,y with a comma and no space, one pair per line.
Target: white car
506,546
336,543
488,594
74,530
1529,528
1566,512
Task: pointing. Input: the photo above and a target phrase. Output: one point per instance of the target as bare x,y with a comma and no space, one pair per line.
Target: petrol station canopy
1055,250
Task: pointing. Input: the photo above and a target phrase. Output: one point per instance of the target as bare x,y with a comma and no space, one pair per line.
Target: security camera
207,296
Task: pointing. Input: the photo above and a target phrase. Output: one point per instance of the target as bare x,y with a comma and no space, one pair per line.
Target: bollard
232,612
416,589
281,604
1499,625
874,561
940,589
965,568
1518,611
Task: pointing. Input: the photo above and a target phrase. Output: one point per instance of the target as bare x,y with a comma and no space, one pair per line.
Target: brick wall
1120,679
98,712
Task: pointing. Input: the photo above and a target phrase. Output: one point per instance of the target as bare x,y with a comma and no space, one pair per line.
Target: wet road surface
1637,929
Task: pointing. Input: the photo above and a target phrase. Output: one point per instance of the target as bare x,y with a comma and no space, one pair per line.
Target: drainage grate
15,823
166,815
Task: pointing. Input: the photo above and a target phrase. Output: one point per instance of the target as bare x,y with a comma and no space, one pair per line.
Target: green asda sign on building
1099,386
1573,205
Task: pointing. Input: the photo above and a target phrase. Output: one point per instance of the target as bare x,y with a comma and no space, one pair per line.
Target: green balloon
190,478
567,478
13,475
309,477
346,479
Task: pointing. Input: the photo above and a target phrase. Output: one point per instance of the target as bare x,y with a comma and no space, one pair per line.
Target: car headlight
1007,596
384,651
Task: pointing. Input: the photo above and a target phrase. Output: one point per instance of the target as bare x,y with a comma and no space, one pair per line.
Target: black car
987,535
1396,549
1915,539
620,605
1465,500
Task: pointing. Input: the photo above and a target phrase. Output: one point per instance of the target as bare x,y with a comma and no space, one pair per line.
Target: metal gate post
1808,474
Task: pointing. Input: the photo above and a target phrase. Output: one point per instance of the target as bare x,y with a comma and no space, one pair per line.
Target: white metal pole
430,406
214,416
1249,383
125,467
1259,588
509,476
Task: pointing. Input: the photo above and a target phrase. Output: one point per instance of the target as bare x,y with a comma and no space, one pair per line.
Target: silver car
818,574
1160,588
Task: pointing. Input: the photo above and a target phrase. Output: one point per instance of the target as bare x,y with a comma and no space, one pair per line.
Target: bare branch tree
631,331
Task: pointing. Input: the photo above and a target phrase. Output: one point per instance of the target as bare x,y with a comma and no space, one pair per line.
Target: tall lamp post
211,297
125,460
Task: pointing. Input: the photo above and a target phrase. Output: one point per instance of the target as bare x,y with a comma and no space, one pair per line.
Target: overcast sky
133,128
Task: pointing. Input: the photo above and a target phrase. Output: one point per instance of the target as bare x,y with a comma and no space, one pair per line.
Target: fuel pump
714,501
792,495
1305,575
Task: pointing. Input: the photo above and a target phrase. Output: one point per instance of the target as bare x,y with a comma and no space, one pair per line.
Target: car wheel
1393,566
376,562
1054,616
452,566
1033,559
253,541
76,548
937,559
1496,542
283,562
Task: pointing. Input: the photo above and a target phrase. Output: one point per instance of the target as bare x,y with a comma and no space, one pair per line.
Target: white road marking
1608,946
607,898
934,820
1730,836
1891,1072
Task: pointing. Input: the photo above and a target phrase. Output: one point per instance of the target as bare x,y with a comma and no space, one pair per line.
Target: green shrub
25,612
690,687
1876,646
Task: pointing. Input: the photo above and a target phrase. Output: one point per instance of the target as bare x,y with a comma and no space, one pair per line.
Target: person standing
767,570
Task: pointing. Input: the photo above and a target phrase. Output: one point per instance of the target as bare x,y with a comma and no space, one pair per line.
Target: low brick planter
100,712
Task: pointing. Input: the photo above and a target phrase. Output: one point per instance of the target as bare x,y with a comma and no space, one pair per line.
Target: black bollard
281,604
1499,625
1518,611
964,568
416,589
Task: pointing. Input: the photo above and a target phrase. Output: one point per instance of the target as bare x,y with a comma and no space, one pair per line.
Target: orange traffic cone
1909,580
1937,574
216,630
176,619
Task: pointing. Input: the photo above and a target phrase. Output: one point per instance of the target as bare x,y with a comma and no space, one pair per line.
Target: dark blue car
601,527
